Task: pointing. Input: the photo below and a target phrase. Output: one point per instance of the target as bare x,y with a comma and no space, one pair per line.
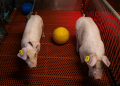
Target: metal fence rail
108,21
111,9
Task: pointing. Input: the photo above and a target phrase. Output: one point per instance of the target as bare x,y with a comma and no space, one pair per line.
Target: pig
89,43
30,42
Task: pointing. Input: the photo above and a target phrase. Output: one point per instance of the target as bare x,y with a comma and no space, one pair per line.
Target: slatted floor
56,65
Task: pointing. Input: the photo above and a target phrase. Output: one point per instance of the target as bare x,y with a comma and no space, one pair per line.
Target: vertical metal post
112,76
3,31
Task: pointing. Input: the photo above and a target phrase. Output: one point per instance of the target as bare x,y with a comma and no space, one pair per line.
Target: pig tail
83,15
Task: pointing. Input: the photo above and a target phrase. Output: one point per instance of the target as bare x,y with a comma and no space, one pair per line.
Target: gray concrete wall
53,4
56,4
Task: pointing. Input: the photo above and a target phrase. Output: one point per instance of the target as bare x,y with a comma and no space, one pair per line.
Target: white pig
89,44
30,43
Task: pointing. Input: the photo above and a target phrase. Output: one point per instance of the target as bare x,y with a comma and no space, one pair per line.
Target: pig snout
97,75
32,65
97,79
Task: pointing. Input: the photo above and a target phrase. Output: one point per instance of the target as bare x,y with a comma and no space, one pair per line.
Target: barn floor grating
56,65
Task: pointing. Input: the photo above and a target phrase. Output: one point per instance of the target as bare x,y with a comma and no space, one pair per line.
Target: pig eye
27,57
35,55
36,46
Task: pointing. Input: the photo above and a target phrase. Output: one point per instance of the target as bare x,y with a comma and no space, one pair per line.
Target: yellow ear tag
21,52
87,58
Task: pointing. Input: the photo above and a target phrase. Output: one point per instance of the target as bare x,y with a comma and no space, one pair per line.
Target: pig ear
92,60
106,61
22,54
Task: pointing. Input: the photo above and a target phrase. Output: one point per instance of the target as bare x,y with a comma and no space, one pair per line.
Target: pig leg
77,45
81,55
43,35
89,72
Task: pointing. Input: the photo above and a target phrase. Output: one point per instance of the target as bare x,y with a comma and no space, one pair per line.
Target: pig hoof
43,36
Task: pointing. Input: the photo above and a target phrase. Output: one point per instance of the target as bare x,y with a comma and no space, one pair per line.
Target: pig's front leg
89,72
81,55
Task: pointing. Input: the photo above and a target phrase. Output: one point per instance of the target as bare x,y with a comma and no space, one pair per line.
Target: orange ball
61,35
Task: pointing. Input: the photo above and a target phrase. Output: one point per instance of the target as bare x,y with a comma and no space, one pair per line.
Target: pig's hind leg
43,35
77,43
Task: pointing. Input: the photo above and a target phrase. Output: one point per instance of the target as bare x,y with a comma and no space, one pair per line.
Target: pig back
90,31
87,30
89,36
33,29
